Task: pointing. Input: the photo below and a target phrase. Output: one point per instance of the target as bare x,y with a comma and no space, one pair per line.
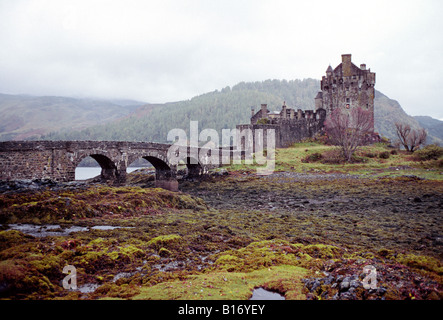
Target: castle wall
304,124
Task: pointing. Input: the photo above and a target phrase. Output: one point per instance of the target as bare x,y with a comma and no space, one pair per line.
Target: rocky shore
312,233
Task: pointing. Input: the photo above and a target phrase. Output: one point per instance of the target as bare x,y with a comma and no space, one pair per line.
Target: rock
347,296
344,285
381,291
315,285
354,283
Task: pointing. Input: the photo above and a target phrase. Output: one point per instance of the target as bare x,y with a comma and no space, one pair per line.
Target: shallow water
47,230
88,287
263,294
84,173
108,227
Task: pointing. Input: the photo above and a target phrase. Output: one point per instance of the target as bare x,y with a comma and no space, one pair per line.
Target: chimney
252,111
264,110
346,65
363,66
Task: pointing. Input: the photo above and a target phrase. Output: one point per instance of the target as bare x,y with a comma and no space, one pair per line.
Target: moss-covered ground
222,236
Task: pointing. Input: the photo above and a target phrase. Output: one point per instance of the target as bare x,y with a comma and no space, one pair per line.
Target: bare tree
410,139
349,129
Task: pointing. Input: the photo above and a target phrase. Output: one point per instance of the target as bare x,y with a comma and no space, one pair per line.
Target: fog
161,51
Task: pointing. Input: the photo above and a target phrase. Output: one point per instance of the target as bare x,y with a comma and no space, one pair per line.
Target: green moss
265,254
18,280
112,290
10,238
228,262
167,241
163,252
229,285
49,265
421,263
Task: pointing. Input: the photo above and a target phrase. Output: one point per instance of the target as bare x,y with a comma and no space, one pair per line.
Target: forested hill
217,110
225,109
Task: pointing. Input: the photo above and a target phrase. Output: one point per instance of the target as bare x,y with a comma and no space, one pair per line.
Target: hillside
433,126
218,109
24,117
56,118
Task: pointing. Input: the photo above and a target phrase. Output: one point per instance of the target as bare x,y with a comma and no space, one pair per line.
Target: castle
347,86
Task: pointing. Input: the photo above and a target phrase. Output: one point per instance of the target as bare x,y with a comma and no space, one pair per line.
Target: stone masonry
57,160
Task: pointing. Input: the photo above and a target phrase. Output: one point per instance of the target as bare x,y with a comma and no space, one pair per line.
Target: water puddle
88,287
109,227
47,230
123,275
263,294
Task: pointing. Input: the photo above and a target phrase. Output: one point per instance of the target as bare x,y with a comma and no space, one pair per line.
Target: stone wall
288,130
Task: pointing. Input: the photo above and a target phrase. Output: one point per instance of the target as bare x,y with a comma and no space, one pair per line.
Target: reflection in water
263,294
84,173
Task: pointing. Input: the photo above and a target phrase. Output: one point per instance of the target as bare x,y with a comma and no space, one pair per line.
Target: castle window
348,100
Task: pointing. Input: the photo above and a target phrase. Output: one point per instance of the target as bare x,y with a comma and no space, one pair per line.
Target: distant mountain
433,126
219,109
24,117
386,113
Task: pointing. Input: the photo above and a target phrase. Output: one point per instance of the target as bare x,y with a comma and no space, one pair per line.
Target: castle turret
283,110
329,71
346,65
264,111
319,100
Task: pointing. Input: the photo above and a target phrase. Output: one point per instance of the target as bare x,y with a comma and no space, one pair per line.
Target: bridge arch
109,168
165,173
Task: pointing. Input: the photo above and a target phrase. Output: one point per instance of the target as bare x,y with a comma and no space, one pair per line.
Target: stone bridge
57,160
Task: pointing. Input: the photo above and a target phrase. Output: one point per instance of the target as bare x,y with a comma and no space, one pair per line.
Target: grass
376,160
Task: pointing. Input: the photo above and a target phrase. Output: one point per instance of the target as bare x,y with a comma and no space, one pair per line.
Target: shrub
263,121
313,157
429,152
334,156
369,155
384,155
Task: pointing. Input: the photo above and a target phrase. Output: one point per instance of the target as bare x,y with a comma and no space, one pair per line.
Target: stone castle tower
347,86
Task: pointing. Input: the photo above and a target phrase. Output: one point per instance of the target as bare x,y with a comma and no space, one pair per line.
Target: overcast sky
160,51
